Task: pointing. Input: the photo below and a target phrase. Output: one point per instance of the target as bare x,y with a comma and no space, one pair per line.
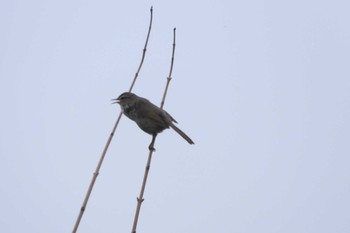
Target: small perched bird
148,116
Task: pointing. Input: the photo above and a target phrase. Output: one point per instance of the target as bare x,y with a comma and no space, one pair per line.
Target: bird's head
124,98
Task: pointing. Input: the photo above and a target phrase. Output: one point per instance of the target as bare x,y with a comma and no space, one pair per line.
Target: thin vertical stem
140,198
92,183
148,165
170,71
144,51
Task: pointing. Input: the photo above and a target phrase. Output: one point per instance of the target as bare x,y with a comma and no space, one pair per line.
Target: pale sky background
262,87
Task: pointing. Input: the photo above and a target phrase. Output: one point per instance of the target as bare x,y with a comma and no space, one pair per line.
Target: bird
149,117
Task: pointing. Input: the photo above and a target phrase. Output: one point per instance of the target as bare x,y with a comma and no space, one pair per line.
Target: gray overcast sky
262,87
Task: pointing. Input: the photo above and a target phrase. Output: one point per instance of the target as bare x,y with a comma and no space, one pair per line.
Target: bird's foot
151,145
151,148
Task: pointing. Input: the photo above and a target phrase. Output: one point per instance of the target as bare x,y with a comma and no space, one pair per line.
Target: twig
144,52
87,196
148,165
170,71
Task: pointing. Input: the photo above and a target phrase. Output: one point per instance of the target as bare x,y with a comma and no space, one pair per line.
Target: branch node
140,200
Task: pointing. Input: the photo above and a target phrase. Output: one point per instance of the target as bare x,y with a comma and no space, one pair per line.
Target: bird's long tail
182,134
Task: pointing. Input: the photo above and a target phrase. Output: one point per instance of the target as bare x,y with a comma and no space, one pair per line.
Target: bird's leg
151,146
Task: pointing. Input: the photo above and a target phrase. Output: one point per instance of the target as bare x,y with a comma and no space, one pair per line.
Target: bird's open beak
116,101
